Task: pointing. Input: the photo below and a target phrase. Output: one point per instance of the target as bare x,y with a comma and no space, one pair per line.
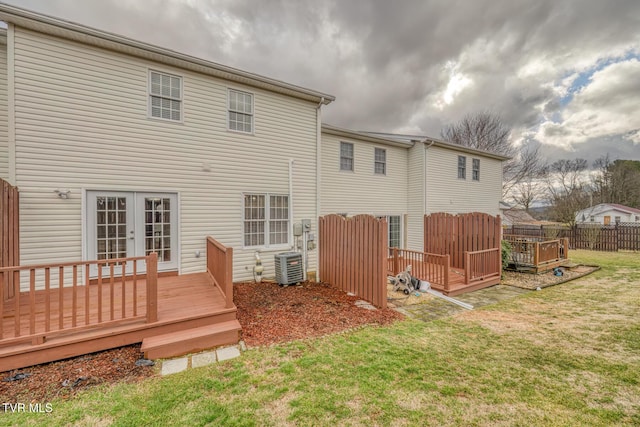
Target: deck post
396,261
536,252
566,248
447,260
467,267
228,278
152,287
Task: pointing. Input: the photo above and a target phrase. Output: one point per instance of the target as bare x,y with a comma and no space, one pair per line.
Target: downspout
11,110
318,176
424,171
291,217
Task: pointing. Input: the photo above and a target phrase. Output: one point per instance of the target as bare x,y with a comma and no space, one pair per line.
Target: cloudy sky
562,73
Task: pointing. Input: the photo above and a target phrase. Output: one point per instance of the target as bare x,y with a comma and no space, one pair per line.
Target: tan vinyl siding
82,124
362,191
4,140
417,184
447,193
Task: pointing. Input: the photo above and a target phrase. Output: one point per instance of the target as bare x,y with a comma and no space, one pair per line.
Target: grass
567,355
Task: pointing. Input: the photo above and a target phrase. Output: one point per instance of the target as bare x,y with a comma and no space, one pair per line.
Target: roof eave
348,133
77,32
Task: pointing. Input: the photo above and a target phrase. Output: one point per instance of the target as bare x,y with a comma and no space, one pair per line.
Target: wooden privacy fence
454,235
353,255
220,268
60,300
611,238
9,232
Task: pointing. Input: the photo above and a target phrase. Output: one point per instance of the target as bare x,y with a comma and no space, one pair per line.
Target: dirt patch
543,280
272,314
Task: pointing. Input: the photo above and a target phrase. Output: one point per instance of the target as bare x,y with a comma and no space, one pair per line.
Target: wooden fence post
152,287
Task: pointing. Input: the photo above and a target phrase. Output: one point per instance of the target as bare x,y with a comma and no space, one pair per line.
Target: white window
380,161
395,231
240,111
394,224
462,167
592,218
637,218
476,170
346,156
165,96
617,219
266,220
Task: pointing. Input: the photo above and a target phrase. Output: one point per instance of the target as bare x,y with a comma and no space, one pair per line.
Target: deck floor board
184,301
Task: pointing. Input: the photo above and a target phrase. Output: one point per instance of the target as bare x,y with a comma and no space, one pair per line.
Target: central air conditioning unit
288,268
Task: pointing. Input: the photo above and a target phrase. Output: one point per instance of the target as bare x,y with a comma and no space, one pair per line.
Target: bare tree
567,189
526,192
486,131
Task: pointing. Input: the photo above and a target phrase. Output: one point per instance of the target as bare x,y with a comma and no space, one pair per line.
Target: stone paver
438,308
173,366
203,359
227,353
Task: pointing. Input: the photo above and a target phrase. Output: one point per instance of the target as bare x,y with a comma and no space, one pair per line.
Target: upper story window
346,156
592,218
380,161
476,170
165,96
240,111
462,167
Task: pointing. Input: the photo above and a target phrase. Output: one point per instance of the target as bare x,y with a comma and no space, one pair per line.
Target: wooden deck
537,254
183,302
481,269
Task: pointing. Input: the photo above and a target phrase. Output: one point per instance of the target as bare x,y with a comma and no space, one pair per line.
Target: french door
128,224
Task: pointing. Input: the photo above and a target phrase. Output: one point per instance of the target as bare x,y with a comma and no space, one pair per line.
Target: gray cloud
413,65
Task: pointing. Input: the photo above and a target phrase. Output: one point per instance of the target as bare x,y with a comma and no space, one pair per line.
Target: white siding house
608,213
120,148
422,176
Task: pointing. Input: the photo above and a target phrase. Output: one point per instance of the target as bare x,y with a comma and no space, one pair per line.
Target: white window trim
458,167
375,162
473,160
253,112
353,157
149,115
267,206
402,225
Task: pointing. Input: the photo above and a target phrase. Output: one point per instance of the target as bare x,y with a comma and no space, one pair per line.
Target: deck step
191,340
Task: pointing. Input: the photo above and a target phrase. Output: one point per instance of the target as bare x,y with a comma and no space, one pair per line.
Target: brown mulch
268,314
65,378
272,314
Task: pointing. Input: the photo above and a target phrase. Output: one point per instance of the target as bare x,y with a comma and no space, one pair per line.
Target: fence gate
353,255
447,234
9,235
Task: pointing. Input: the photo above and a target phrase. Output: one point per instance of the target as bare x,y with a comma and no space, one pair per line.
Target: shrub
506,253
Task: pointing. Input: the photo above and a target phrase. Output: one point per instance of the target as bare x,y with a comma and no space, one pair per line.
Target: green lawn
568,355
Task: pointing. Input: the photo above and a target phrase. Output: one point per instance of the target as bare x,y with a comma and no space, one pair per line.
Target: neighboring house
120,148
403,178
608,213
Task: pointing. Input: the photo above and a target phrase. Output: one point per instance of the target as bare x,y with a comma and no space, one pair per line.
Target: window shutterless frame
380,161
266,220
240,111
346,156
165,96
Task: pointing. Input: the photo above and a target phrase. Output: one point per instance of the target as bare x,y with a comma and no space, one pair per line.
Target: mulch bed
543,280
272,314
268,313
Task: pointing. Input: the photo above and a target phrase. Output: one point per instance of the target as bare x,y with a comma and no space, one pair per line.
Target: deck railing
60,298
537,251
480,265
220,268
431,267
